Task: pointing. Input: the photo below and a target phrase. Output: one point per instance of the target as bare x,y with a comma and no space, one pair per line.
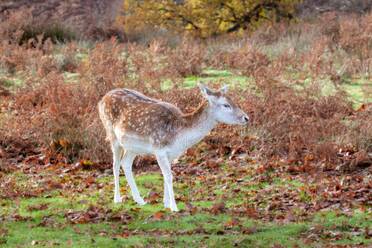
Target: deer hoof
174,209
118,200
141,202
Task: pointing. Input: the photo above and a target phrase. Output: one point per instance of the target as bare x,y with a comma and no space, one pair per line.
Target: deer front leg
116,150
166,199
165,167
127,163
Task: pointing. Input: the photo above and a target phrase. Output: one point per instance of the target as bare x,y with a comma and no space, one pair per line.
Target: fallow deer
136,124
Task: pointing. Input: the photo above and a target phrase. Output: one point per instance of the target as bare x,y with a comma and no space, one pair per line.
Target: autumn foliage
287,122
205,18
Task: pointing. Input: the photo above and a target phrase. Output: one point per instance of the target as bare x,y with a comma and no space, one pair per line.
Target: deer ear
224,89
207,93
205,90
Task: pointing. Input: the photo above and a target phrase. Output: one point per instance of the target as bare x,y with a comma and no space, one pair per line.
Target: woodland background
299,175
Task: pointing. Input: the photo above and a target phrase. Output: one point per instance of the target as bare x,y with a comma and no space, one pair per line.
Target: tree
207,18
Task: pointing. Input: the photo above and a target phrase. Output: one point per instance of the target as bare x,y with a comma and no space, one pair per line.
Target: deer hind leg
117,151
126,163
165,167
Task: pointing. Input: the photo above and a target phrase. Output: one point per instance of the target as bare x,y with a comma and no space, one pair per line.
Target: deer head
222,108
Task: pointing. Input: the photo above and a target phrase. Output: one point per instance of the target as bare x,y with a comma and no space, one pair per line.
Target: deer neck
202,117
196,126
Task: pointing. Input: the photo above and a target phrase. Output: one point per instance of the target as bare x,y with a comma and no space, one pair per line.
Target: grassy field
64,208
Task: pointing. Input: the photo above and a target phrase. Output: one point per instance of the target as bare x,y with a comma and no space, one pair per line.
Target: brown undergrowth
288,123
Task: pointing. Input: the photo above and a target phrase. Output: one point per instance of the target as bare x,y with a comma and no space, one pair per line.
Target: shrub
187,58
359,133
54,110
148,64
295,123
356,40
20,27
15,58
55,32
105,67
247,59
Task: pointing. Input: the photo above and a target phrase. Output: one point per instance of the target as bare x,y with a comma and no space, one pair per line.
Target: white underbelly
131,142
137,147
142,145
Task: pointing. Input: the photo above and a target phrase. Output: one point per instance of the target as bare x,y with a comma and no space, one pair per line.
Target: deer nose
245,118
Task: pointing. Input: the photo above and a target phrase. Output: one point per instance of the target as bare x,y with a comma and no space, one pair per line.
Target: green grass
25,233
103,235
175,229
218,76
11,82
99,234
355,90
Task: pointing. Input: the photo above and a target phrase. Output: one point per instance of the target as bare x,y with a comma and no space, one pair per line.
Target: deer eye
226,106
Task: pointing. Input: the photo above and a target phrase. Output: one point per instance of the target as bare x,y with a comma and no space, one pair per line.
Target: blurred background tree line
96,19
204,18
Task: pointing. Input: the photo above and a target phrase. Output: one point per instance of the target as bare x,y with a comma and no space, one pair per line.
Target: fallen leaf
86,164
158,215
232,223
218,208
249,230
212,164
191,209
153,197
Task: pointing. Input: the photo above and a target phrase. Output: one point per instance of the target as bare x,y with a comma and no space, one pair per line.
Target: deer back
136,114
